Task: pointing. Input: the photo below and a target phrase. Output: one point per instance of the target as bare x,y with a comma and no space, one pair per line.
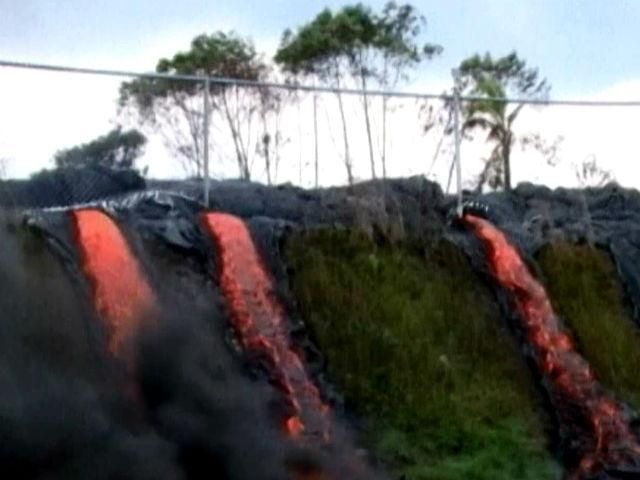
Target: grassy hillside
585,290
418,347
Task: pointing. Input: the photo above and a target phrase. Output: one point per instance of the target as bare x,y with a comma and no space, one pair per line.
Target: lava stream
121,294
573,389
259,323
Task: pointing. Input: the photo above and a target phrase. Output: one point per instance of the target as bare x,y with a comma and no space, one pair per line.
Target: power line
309,88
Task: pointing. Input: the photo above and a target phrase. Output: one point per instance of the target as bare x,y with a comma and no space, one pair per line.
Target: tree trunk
347,158
276,153
384,137
506,156
300,142
242,167
315,134
453,164
385,83
194,131
368,124
244,146
265,144
267,161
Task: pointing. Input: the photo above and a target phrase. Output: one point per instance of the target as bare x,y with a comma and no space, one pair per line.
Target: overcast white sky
587,49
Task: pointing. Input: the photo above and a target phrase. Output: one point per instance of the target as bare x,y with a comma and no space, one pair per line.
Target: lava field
279,333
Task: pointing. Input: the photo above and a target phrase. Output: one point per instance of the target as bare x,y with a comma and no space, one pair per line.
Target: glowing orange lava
575,392
259,323
121,295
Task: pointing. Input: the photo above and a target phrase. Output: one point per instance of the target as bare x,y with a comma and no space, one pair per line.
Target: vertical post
315,132
206,184
456,126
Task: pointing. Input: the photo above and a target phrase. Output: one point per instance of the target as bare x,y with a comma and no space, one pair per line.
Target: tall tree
493,80
590,174
358,31
270,140
357,43
170,105
117,149
315,50
400,27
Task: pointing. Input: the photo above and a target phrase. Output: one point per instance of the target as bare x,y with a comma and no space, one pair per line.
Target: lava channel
583,406
258,321
121,295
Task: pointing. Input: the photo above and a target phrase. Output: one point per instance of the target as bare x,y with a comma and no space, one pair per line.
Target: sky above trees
585,48
583,45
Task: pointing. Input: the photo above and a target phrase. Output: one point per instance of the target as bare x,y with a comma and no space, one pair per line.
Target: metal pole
207,85
456,126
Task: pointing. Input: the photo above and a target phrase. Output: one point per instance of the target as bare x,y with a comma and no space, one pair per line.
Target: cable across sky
312,88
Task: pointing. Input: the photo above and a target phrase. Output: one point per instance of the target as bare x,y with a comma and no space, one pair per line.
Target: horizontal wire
309,88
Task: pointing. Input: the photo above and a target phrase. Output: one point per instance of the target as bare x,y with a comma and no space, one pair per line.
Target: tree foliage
116,150
333,41
171,105
493,80
400,26
358,43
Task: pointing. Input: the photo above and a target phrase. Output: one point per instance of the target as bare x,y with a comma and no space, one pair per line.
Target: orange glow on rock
259,323
121,295
572,382
293,426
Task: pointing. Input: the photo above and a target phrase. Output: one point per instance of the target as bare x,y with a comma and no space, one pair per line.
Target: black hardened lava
601,438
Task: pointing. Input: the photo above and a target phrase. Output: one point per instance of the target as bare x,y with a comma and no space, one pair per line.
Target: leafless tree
590,174
3,167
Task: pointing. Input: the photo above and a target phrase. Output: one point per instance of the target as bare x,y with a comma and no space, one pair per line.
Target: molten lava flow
259,323
121,295
577,396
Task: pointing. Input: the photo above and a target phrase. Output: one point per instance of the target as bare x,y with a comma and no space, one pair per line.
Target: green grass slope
416,344
585,290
